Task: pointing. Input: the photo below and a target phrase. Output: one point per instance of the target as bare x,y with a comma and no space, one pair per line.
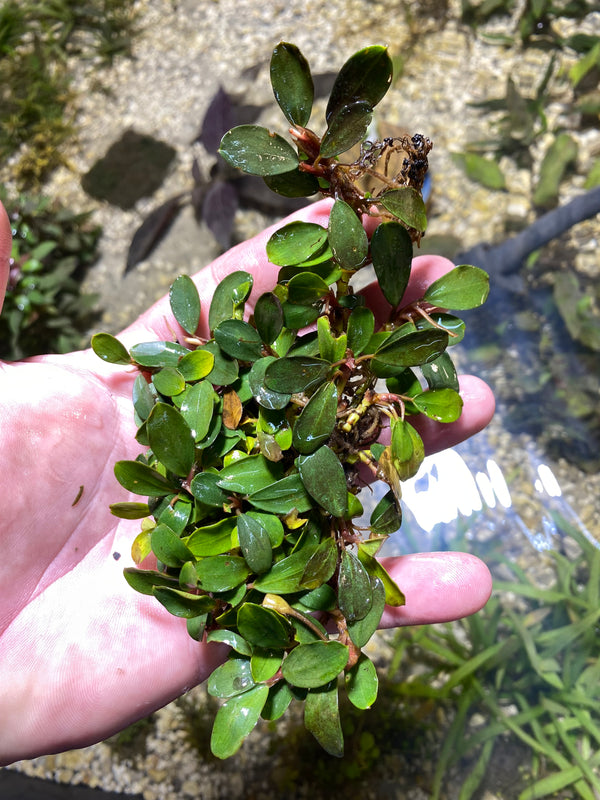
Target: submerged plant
258,436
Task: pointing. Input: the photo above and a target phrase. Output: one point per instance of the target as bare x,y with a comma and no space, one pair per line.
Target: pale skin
81,654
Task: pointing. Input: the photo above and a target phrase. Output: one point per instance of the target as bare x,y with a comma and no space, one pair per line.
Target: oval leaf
158,354
296,374
462,288
362,683
268,317
257,151
238,339
255,543
315,664
407,205
354,588
221,573
185,303
142,479
292,83
347,237
295,243
442,405
236,719
346,127
264,627
231,678
171,439
324,478
230,293
391,252
366,76
316,422
110,349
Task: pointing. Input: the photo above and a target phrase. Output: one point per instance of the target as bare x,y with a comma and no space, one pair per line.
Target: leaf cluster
44,309
257,436
531,673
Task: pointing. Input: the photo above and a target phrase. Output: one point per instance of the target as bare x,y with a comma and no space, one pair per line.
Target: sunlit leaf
249,475
407,205
292,83
196,365
296,374
185,303
230,293
110,349
295,243
366,76
141,479
257,151
238,339
168,381
158,354
346,127
393,594
462,288
443,405
409,350
362,683
197,408
212,540
225,370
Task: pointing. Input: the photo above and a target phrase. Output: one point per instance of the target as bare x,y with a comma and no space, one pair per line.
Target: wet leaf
225,370
280,697
322,719
366,77
346,127
362,683
171,439
293,184
315,664
249,475
409,350
386,517
231,678
232,639
168,381
168,547
285,576
142,479
183,604
145,581
407,205
462,288
222,572
296,374
158,354
393,594
443,405
232,409
331,348
196,365
264,627
265,397
212,540
362,630
320,566
231,292
271,524
255,543
265,663
392,252
361,326
257,151
185,303
268,317
354,588
347,237
292,83
306,288
452,324
236,719
283,497
296,242
316,422
110,349
197,408
238,339
143,397
296,317
324,478
401,441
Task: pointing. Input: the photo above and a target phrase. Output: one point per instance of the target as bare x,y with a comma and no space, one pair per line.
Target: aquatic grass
530,674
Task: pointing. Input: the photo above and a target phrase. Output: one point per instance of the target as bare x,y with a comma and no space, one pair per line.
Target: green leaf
296,374
462,288
238,339
143,397
386,517
196,365
249,475
145,581
130,510
393,594
142,479
257,151
158,354
280,697
440,374
236,719
361,326
561,154
296,317
225,370
362,630
321,565
295,243
322,719
221,573
264,627
481,169
171,439
205,489
283,497
212,540
347,237
354,588
292,83
346,127
185,303
407,205
443,405
451,323
315,664
231,678
265,397
324,479
285,576
183,604
362,683
231,638
168,381
168,547
401,441
293,184
366,76
392,252
110,349
197,408
306,288
268,317
265,663
331,348
255,543
231,293
408,350
316,422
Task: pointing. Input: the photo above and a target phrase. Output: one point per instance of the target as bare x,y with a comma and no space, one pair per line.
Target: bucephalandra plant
258,436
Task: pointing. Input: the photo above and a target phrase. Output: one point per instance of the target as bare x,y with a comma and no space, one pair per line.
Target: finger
439,587
5,249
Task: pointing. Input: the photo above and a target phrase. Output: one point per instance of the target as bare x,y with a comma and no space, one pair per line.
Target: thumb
5,249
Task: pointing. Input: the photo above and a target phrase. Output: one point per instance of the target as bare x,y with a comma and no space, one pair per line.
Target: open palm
81,654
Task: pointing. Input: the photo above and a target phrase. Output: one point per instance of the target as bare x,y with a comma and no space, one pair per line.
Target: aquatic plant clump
258,435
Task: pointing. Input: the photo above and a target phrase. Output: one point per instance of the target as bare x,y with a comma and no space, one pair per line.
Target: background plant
258,434
45,310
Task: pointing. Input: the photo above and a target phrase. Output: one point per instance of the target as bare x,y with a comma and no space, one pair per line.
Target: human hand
81,654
